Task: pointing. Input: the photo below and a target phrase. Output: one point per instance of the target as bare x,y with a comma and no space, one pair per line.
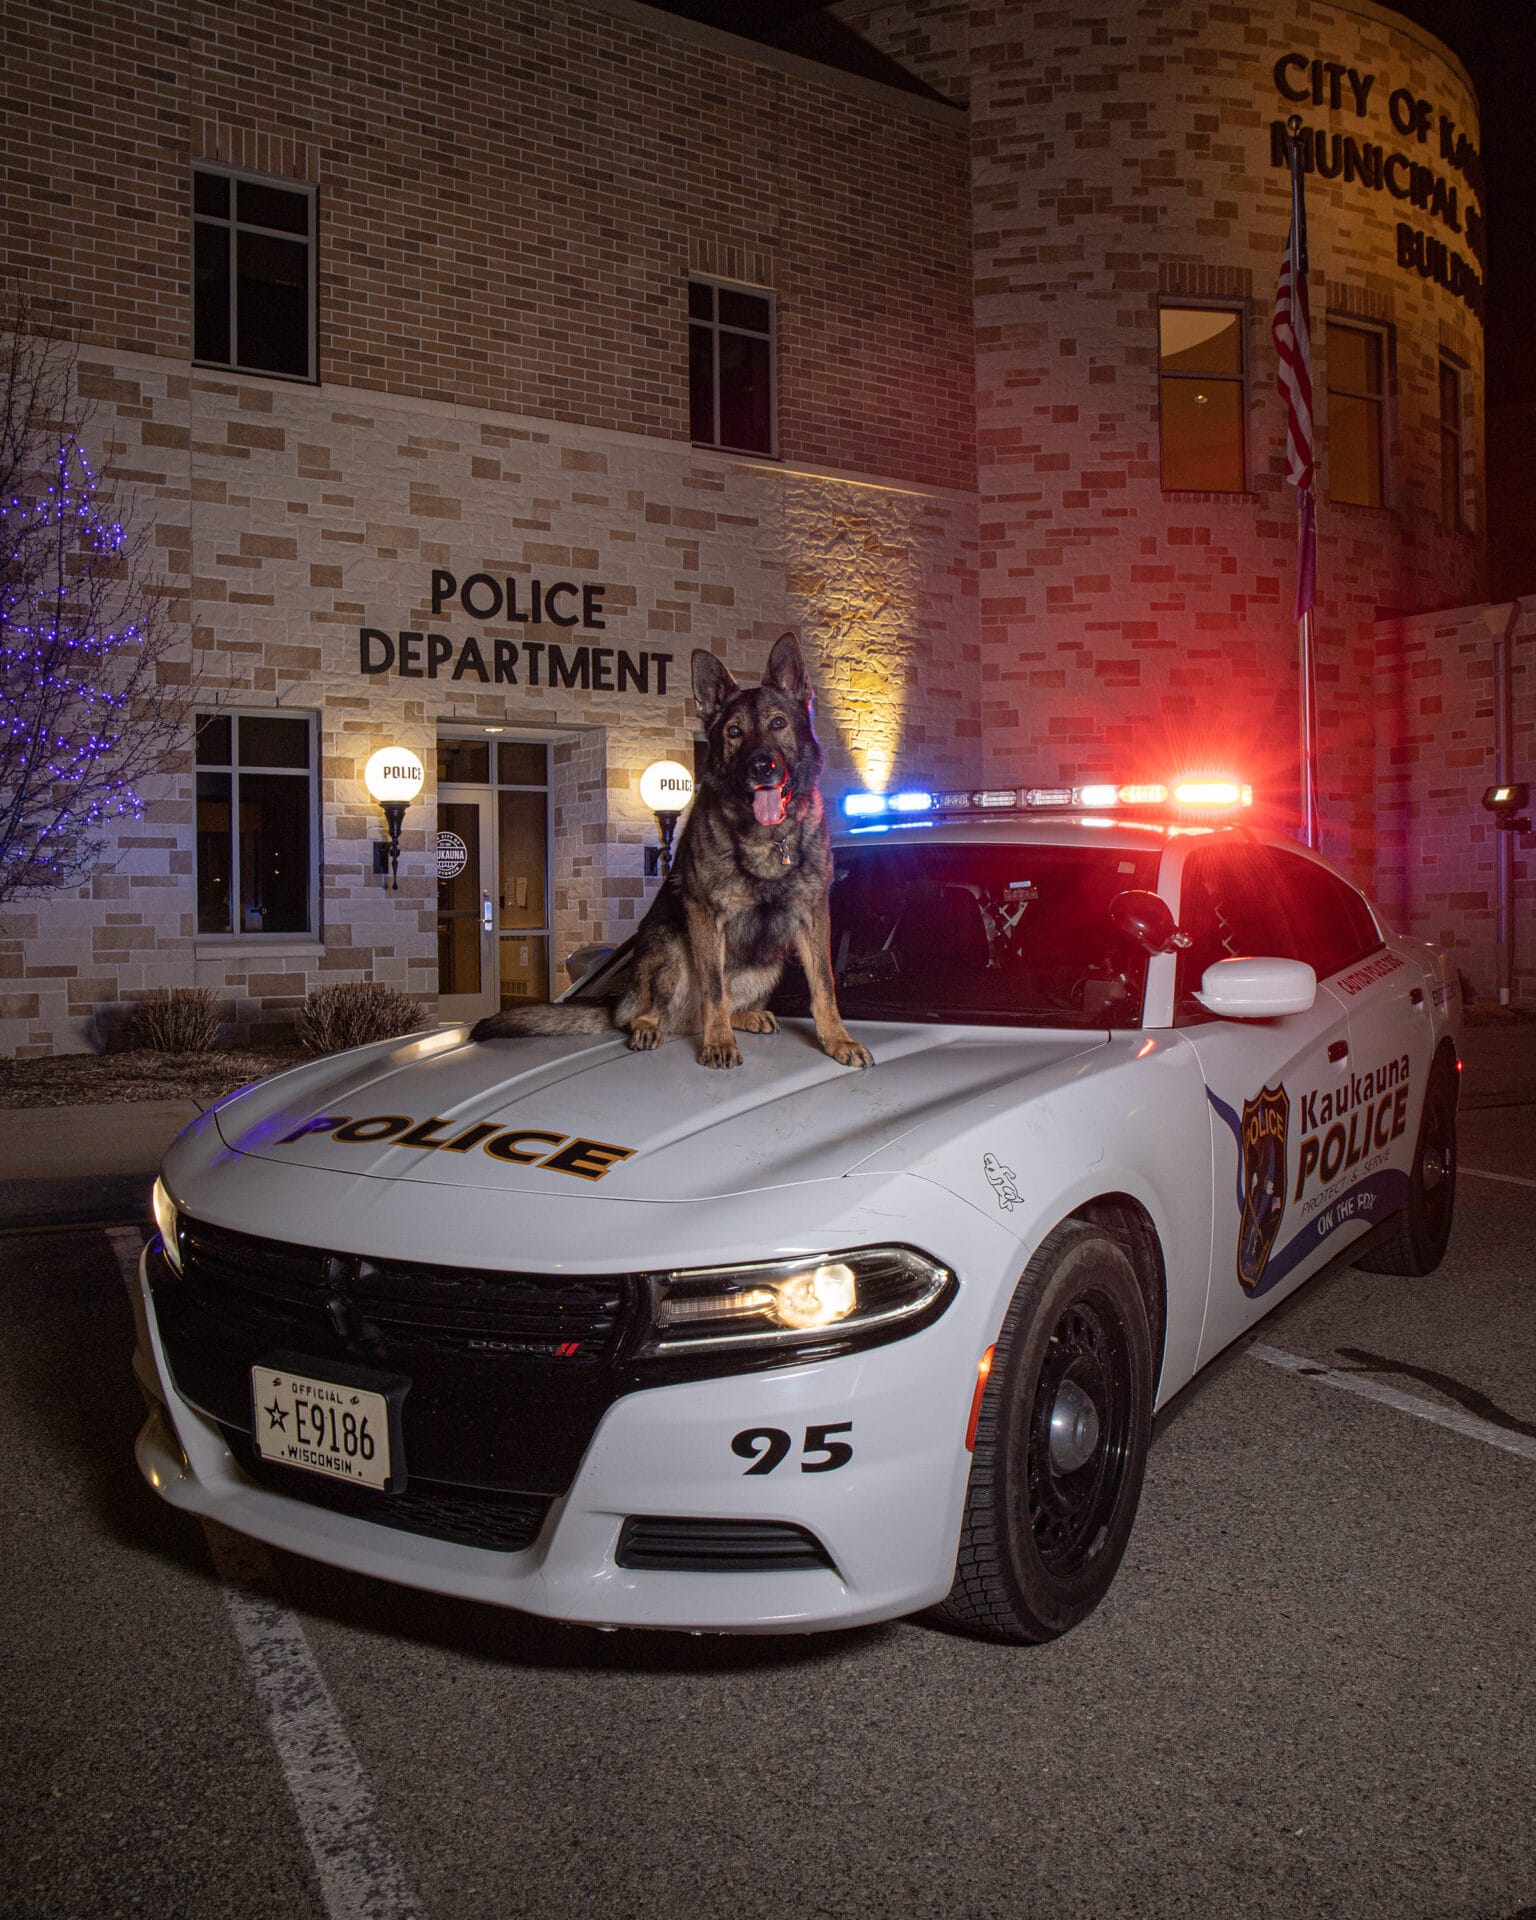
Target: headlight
779,1303
165,1219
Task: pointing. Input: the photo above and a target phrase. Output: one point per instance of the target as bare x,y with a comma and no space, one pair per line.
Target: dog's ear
786,670
713,685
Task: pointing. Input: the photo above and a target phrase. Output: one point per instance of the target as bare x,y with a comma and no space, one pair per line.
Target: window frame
716,327
1301,885
233,225
1257,893
1452,436
1173,303
1349,323
311,931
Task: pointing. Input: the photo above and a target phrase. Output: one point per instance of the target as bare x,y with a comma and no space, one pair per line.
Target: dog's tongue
768,805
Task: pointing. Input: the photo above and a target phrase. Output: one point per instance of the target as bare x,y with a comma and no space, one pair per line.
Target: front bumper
886,1519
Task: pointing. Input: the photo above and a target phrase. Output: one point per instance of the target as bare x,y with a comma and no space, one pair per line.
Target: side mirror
1146,919
1261,989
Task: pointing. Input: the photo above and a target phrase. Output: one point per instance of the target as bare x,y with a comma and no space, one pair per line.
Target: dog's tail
514,1023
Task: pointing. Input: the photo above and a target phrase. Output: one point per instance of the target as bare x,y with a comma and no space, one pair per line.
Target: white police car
606,1337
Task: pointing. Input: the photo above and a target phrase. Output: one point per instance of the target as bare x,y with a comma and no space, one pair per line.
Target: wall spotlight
666,787
394,776
1507,804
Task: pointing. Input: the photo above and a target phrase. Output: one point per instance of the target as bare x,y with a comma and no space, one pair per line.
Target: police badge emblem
1263,1133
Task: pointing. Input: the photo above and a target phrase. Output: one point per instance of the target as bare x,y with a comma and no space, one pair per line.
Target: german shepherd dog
748,885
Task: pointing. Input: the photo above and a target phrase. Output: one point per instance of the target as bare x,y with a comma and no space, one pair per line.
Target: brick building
473,363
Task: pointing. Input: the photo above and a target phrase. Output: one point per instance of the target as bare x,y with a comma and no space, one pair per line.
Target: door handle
487,914
1416,998
1338,1051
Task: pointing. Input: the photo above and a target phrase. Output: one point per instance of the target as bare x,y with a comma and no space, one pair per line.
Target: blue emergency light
1195,793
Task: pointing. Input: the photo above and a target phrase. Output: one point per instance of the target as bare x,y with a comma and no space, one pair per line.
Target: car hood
562,1116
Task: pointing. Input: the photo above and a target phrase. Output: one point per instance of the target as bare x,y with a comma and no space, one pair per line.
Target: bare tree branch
86,713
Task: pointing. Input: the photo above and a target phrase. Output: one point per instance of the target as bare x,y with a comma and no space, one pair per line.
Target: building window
1453,515
730,367
1201,394
1357,385
253,274
256,839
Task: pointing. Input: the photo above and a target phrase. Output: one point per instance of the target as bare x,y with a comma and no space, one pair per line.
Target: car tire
1061,1445
1418,1237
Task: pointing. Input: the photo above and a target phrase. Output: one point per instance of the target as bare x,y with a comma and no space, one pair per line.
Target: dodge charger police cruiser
604,1337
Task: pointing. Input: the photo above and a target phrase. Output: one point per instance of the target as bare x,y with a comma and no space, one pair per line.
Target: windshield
1010,935
979,933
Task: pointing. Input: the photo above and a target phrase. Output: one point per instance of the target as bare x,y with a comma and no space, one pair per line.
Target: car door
1356,1153
1262,1077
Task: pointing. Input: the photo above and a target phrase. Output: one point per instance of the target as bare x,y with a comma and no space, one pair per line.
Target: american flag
1292,330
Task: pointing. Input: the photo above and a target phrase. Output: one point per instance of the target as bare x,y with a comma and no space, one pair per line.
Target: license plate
321,1426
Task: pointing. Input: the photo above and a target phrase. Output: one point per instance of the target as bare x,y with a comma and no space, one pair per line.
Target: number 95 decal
768,1447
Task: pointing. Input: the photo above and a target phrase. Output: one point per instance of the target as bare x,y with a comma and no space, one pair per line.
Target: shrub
174,1020
354,1014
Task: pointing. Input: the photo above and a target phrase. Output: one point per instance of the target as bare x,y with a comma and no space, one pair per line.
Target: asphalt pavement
1308,1696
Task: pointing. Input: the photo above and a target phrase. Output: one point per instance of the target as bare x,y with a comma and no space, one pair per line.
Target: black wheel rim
1087,1358
1437,1166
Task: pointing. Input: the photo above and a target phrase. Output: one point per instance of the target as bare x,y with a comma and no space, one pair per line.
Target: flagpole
1306,502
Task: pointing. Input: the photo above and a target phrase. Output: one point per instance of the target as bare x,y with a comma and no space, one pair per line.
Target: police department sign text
497,659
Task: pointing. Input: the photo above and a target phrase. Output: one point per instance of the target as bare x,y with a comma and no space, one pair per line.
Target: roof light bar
870,806
1212,793
1206,792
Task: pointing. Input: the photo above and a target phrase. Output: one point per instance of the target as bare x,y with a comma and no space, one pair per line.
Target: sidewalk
95,1165
85,1165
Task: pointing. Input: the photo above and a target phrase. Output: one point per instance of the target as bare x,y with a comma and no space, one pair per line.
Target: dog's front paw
756,1020
847,1052
643,1036
728,1055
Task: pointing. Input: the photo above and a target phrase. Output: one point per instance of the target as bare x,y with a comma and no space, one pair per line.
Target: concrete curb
120,1199
86,1165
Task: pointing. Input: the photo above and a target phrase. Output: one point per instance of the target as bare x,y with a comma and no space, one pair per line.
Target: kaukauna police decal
1264,1129
1344,1176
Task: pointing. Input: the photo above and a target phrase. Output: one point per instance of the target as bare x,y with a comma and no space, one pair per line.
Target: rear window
1330,923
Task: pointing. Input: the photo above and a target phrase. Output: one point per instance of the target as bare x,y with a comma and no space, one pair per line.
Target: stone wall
510,201
1438,726
1122,156
291,519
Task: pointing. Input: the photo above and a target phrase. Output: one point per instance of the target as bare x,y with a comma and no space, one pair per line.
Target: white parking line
127,1243
359,1878
1456,1418
1507,1179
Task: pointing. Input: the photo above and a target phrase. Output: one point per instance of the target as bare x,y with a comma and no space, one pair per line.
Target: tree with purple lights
86,712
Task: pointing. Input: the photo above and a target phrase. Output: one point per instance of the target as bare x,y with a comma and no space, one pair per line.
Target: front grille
654,1544
464,1307
509,1373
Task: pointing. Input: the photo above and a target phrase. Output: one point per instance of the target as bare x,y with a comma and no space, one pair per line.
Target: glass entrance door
466,917
522,885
